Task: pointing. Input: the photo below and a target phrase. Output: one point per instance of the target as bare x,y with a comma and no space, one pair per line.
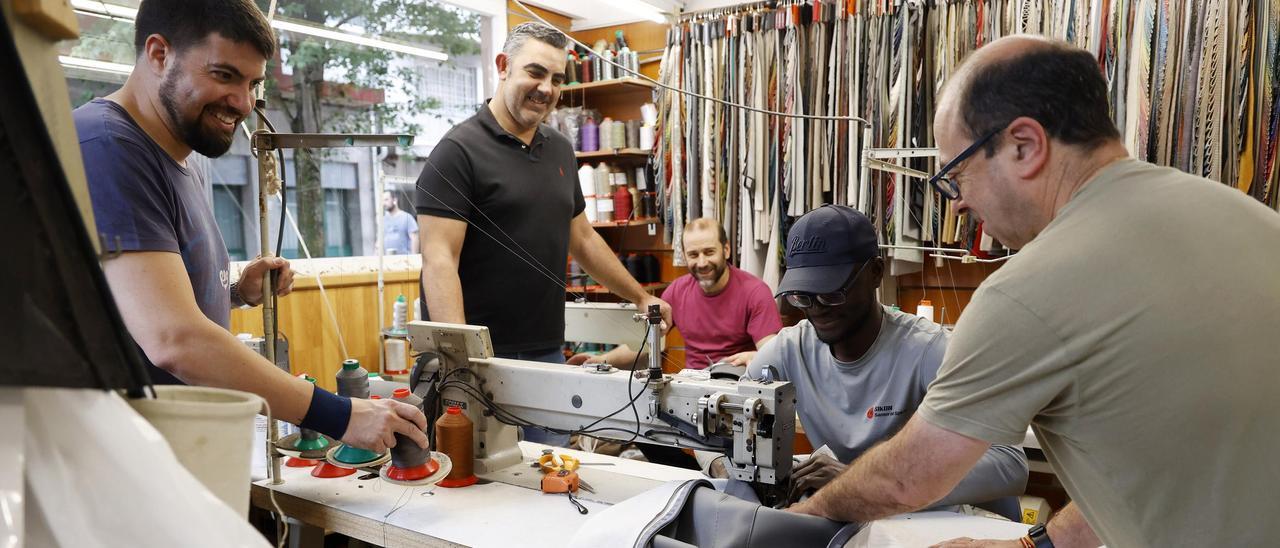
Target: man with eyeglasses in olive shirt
861,369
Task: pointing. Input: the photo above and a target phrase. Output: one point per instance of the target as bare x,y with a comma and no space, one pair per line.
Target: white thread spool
646,137
587,180
606,135
925,309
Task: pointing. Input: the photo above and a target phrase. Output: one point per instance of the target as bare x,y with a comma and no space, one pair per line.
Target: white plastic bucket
211,432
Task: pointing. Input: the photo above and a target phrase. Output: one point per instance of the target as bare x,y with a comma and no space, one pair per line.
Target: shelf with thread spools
622,94
602,290
626,223
615,181
607,87
637,154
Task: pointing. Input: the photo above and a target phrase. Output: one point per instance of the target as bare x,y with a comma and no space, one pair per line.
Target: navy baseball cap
823,248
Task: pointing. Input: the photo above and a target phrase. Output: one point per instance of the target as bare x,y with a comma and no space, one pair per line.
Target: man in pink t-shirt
723,313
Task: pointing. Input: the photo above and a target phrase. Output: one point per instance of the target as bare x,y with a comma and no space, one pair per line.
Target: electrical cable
282,534
509,418
270,292
262,115
538,268
631,378
529,260
324,296
439,386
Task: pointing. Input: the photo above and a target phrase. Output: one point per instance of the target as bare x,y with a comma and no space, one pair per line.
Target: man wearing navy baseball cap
861,369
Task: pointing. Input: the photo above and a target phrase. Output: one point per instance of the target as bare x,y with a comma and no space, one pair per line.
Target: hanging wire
730,104
524,255
333,316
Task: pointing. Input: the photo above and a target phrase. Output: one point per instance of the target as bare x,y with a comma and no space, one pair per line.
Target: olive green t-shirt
1139,336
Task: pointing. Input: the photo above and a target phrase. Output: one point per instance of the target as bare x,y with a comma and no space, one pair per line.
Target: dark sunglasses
944,184
835,298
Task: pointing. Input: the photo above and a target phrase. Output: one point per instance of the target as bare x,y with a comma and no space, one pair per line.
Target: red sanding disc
413,473
326,470
295,462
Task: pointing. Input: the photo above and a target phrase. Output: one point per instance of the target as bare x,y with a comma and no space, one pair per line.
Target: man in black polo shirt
500,209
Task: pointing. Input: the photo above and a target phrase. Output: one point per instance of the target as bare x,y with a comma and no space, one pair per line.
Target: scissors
551,462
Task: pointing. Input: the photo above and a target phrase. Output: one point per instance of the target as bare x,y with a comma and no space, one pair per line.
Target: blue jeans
533,434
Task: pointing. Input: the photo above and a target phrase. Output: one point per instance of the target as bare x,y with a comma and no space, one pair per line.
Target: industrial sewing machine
752,423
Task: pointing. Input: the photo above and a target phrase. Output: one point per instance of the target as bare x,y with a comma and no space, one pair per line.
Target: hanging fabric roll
1194,85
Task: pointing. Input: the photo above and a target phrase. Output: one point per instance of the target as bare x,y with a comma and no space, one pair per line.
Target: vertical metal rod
265,172
378,247
654,317
266,181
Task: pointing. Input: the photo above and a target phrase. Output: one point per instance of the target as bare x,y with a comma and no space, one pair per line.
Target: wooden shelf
605,87
619,99
615,153
632,222
602,290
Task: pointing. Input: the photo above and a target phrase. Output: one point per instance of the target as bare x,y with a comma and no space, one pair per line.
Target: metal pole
380,188
266,183
654,319
266,176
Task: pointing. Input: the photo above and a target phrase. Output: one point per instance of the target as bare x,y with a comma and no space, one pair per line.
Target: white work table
493,514
500,514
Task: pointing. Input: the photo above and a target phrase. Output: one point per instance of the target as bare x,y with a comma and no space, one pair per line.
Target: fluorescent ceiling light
640,9
90,7
356,39
113,11
94,65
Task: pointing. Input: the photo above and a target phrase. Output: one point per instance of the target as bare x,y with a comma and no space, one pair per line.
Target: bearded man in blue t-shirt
198,64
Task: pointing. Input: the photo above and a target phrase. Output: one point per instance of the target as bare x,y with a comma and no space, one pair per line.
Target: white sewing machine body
752,423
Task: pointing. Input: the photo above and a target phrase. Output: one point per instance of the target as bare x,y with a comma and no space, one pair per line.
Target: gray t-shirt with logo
1136,334
849,407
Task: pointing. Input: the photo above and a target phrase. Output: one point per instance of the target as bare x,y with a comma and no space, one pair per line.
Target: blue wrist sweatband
329,413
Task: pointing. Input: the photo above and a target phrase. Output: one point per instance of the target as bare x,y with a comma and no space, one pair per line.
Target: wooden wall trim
355,279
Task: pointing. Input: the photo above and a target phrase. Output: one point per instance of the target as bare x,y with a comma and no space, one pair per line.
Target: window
341,211
337,234
229,179
289,248
454,87
230,217
365,90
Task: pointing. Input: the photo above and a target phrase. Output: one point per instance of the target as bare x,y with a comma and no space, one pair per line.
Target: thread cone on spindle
355,456
409,462
309,443
454,437
353,380
310,440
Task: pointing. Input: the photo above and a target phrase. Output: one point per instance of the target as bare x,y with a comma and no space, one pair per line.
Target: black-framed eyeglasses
835,298
945,185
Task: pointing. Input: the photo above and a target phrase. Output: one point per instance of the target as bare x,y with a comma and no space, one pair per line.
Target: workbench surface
500,514
493,514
